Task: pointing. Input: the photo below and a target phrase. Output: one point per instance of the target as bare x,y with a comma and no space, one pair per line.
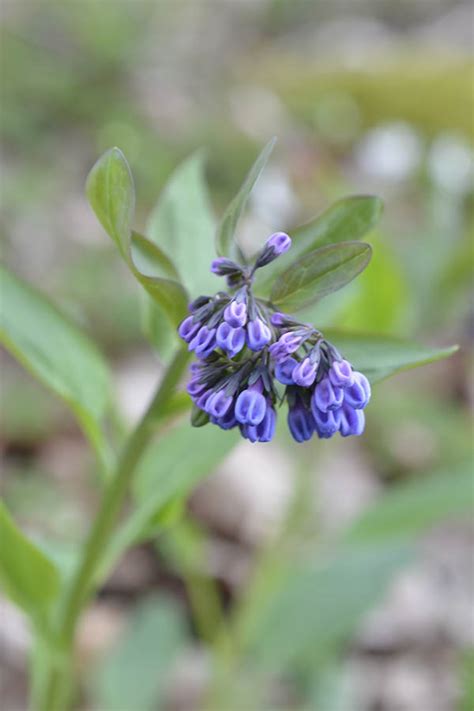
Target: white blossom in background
392,152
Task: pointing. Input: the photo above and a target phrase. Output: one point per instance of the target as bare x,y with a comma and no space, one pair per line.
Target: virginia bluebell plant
247,350
251,358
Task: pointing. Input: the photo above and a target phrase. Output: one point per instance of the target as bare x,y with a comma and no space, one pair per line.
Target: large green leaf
111,194
169,469
27,576
135,673
49,346
316,605
319,273
414,506
381,356
348,219
225,245
182,225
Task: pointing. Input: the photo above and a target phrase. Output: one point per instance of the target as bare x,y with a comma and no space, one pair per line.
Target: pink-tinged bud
280,242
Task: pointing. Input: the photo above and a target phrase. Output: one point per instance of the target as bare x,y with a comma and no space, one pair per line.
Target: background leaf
225,245
135,673
50,347
111,193
416,505
319,273
380,356
28,577
169,469
182,225
317,604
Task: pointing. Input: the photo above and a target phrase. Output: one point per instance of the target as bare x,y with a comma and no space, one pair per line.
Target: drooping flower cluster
247,351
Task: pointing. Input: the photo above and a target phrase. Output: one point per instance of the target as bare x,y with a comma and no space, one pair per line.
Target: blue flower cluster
247,351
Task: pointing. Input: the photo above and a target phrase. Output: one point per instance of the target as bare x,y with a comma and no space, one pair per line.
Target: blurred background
366,96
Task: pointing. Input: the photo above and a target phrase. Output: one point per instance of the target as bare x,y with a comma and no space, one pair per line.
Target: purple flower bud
204,342
195,388
258,334
222,266
340,374
278,319
284,371
291,342
352,421
265,431
203,399
227,421
236,314
305,373
278,352
326,396
326,423
195,368
218,404
188,328
251,405
280,242
287,343
231,340
358,394
300,423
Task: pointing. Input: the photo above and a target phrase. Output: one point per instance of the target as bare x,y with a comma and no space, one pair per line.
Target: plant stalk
55,689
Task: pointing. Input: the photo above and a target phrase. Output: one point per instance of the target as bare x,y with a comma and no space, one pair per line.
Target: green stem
111,504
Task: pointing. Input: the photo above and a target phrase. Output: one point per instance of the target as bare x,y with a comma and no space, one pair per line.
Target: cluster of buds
247,351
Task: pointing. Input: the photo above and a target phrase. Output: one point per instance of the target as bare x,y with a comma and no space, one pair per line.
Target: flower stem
53,691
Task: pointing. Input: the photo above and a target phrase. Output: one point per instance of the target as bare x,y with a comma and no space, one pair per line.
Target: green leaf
149,259
51,348
349,219
225,245
319,273
135,674
28,577
381,299
414,506
169,469
158,329
380,356
111,194
318,604
182,225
